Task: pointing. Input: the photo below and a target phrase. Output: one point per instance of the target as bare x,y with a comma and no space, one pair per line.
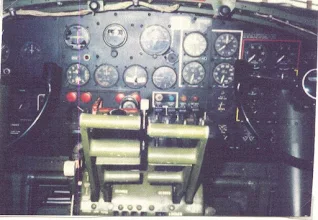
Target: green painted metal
165,177
88,121
116,122
117,161
106,151
180,156
140,198
178,131
122,176
114,148
172,155
195,172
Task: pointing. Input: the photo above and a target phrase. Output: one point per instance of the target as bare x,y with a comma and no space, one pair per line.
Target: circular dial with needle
77,74
286,56
31,51
226,45
223,74
106,75
195,44
164,77
255,54
193,73
155,40
135,76
115,35
76,37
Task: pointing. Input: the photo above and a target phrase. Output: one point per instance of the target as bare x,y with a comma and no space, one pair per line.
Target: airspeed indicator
223,73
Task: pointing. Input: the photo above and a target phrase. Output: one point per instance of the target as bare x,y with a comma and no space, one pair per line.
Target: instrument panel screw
151,208
93,206
120,207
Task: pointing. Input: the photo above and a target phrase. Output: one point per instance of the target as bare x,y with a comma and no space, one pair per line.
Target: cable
35,120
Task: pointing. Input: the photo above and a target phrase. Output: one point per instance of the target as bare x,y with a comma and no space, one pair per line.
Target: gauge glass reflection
77,74
155,40
193,73
77,37
5,52
164,77
226,45
115,35
106,75
135,77
223,74
309,83
195,44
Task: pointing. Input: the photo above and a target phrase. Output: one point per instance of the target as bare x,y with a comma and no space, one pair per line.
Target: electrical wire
271,17
107,7
35,120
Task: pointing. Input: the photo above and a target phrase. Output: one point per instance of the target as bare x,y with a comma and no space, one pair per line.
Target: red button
136,96
86,97
119,97
71,96
195,98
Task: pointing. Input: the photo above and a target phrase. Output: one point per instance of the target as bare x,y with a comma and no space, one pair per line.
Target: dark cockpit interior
157,108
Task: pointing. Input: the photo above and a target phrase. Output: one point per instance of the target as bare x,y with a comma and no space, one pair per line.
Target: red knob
86,97
71,96
119,97
195,98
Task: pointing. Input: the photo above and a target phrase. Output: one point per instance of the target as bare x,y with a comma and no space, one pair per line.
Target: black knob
94,6
224,11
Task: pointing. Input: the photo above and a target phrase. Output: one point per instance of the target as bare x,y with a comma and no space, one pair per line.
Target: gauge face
115,35
193,73
286,56
106,75
135,77
77,74
309,83
195,44
5,52
31,51
223,74
226,45
164,77
76,37
255,54
155,40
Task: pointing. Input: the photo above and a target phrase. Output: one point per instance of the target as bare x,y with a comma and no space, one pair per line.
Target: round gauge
31,51
309,83
223,73
115,35
164,77
286,56
255,54
135,77
106,75
193,73
155,40
195,44
77,74
76,37
226,45
5,52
